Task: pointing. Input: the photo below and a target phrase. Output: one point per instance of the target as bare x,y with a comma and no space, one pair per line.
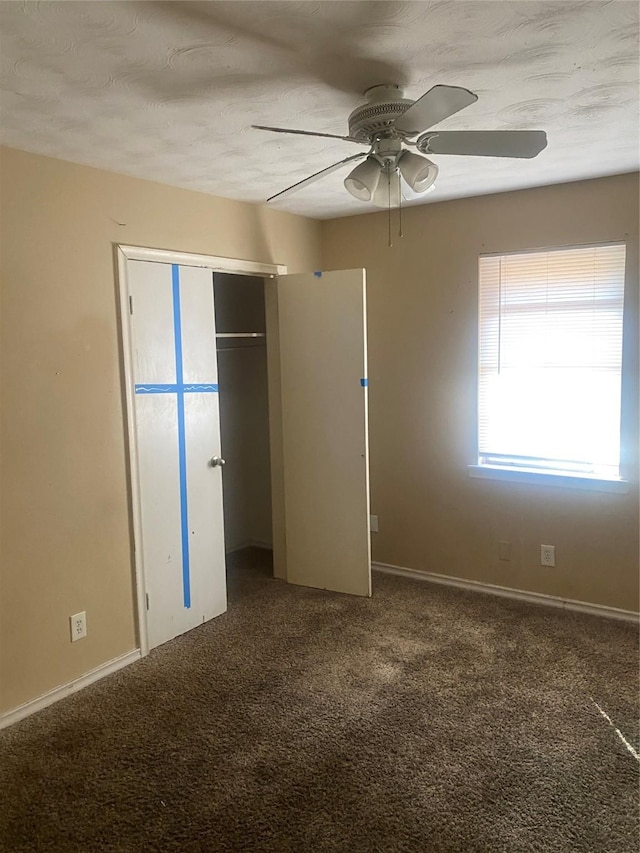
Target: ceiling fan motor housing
384,105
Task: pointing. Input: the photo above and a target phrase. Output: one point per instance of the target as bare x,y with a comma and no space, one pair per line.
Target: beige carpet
423,719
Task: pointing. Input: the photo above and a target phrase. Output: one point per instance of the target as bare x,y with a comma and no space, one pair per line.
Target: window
550,361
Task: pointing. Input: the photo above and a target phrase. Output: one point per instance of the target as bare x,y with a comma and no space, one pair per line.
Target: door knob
217,462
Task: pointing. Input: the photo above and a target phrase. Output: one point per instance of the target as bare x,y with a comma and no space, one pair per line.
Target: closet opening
241,351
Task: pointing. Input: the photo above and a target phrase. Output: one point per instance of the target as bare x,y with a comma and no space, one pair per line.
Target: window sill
546,478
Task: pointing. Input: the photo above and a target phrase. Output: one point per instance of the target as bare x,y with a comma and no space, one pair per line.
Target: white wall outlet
373,521
547,555
504,550
78,624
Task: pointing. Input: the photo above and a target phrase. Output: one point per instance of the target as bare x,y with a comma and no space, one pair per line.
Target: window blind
550,359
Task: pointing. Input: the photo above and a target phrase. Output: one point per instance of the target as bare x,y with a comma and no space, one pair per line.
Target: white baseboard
251,543
507,592
22,711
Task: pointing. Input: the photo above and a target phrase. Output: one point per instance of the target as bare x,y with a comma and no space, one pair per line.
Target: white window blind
550,359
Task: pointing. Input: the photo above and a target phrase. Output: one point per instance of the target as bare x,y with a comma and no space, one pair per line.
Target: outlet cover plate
373,521
78,625
547,555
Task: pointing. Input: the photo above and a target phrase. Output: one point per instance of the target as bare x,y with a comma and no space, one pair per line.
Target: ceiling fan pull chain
400,206
389,205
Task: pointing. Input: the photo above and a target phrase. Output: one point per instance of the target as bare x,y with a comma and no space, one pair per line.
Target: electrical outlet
373,520
78,624
504,550
547,555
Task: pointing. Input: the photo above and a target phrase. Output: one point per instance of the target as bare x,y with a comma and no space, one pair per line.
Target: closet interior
244,411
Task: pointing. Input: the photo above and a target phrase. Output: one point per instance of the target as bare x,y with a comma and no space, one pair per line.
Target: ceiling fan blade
485,143
310,133
438,103
316,176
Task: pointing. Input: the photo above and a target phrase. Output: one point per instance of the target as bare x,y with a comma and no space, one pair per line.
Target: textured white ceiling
168,90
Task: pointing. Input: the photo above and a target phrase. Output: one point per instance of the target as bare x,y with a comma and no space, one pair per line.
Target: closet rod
241,335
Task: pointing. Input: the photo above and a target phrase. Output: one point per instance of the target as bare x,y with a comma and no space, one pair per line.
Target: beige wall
65,526
422,367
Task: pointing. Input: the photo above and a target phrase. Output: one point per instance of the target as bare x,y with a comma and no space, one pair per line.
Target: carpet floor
423,719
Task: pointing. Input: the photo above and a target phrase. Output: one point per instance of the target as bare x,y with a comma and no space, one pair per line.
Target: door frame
124,254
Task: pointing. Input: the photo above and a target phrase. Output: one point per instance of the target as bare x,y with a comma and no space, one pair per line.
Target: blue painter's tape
195,388
318,274
364,382
156,389
182,444
203,388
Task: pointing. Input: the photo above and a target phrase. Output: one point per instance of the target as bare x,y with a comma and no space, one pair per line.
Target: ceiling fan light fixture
363,181
387,193
417,171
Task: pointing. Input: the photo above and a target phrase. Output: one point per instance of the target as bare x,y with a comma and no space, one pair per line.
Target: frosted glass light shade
417,171
410,195
364,179
387,193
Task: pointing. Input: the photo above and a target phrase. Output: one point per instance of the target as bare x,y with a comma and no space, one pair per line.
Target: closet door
177,434
325,455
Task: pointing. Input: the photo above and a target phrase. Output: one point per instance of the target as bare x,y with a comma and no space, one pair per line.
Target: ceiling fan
388,122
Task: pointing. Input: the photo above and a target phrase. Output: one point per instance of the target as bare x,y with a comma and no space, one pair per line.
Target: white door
323,365
177,434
